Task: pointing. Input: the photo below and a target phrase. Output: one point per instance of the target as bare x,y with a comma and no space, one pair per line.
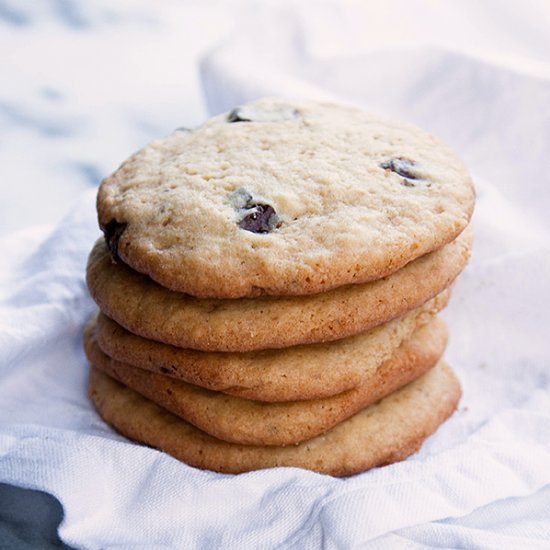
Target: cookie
295,373
150,310
239,420
385,432
284,198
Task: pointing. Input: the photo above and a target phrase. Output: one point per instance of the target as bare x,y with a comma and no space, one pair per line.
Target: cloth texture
483,480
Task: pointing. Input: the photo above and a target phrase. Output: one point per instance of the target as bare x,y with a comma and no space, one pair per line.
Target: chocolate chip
262,219
112,232
402,166
164,370
256,216
234,116
248,113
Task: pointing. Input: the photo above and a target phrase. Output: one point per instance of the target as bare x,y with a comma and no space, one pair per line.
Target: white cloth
483,480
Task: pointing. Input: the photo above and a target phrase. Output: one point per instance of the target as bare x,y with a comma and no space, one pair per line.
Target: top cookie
283,198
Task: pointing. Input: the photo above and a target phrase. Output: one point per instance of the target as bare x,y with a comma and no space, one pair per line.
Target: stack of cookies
268,285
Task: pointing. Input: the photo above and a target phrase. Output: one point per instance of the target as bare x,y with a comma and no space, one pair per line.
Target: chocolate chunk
257,216
112,232
402,166
234,116
251,114
262,219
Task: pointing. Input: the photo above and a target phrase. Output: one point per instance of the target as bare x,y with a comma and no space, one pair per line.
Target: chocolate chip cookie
283,198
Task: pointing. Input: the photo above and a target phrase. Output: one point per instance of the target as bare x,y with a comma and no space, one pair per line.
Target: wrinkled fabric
483,480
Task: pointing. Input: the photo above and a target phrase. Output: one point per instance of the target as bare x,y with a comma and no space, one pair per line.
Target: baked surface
385,432
149,310
284,198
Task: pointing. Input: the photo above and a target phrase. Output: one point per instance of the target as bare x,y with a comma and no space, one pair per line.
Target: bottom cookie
385,432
